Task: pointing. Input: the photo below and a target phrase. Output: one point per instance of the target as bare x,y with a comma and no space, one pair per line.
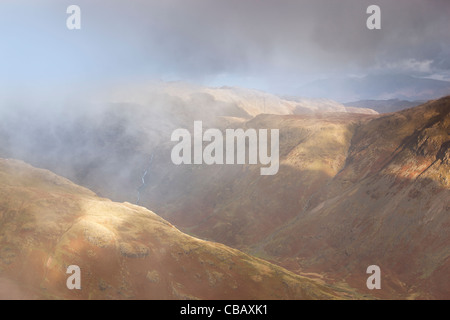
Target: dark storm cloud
201,37
281,40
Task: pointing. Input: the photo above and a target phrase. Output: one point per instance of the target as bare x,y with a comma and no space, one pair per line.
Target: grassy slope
389,206
360,190
124,251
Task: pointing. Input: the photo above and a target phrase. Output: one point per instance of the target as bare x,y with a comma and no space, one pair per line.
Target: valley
352,189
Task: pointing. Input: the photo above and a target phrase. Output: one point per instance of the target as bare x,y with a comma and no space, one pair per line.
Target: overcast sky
273,45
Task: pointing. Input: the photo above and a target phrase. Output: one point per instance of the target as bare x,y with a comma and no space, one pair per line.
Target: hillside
124,251
235,204
352,189
389,205
106,146
359,189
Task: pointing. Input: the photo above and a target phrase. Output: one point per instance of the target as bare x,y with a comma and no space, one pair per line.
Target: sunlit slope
389,205
352,191
235,204
124,251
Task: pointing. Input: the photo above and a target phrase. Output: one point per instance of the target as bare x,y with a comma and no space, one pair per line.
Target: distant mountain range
378,87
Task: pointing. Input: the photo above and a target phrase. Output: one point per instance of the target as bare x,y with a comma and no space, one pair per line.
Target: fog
66,98
105,141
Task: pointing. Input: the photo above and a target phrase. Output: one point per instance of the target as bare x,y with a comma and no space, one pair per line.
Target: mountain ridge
385,106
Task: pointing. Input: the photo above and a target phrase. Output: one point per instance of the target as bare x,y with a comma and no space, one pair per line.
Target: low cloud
279,43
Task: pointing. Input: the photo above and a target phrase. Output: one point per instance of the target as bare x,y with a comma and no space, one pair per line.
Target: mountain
358,189
228,101
376,87
106,146
388,205
385,106
352,189
235,204
124,251
311,106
